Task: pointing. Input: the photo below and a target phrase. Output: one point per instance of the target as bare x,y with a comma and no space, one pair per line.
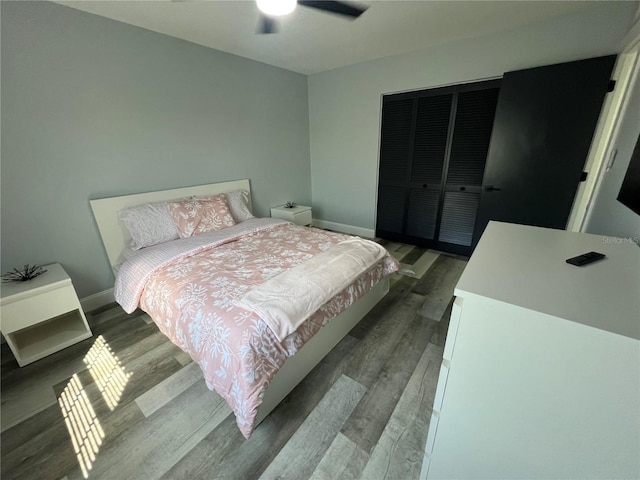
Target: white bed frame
115,238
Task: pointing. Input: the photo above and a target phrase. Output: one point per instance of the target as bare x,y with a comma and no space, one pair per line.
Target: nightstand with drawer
41,316
300,214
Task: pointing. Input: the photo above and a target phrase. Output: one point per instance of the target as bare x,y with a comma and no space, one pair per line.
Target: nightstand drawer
32,310
300,214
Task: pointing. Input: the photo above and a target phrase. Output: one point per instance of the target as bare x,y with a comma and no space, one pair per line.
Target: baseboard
341,227
97,300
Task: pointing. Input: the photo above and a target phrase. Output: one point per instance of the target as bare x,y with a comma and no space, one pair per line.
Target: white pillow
149,224
238,201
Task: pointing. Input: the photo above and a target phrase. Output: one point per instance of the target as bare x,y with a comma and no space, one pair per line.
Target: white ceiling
310,41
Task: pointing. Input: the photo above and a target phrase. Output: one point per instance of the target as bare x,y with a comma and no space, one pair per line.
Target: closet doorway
448,167
433,150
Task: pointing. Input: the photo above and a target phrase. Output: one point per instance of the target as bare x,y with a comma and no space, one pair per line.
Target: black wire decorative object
28,272
289,204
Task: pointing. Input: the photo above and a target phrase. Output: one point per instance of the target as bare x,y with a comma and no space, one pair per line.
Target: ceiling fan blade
267,25
340,8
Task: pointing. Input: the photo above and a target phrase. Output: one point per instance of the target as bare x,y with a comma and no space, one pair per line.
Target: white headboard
115,236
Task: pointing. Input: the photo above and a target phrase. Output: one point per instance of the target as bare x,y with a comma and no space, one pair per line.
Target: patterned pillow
200,215
238,201
149,224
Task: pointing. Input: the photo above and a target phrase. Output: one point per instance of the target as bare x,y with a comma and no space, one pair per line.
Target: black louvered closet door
395,148
433,148
475,111
427,163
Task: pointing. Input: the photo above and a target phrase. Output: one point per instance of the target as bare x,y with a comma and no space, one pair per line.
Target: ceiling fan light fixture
276,8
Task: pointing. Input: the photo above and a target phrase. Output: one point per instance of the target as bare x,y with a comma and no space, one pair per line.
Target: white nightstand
300,214
41,316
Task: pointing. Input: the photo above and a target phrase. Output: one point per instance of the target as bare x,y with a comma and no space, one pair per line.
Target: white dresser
541,369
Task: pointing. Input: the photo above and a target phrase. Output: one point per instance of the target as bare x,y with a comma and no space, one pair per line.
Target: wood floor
362,413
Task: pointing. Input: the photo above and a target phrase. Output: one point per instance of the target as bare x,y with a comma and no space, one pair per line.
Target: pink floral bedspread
190,297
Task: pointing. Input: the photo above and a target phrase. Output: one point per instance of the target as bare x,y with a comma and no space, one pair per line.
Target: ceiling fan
271,9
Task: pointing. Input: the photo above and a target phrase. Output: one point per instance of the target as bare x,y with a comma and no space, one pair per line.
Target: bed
219,295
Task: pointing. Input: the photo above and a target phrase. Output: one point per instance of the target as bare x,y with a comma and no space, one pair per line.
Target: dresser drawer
431,436
452,333
440,389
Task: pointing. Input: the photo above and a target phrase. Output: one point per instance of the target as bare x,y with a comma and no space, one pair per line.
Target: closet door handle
491,188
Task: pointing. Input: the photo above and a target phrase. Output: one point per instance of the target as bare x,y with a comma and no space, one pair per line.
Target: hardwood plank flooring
168,435
362,413
158,396
400,450
368,421
299,457
437,285
344,460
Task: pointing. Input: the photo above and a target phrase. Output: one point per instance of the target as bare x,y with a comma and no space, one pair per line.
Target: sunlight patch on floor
107,372
81,421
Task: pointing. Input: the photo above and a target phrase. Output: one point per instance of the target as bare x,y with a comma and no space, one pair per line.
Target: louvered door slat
422,213
471,136
458,217
430,144
391,206
395,147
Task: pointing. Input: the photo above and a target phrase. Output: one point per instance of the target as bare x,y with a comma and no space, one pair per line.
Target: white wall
92,107
607,215
344,104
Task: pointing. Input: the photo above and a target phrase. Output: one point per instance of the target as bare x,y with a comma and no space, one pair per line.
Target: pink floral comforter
189,288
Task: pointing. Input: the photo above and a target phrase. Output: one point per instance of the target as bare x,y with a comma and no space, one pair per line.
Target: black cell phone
585,258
